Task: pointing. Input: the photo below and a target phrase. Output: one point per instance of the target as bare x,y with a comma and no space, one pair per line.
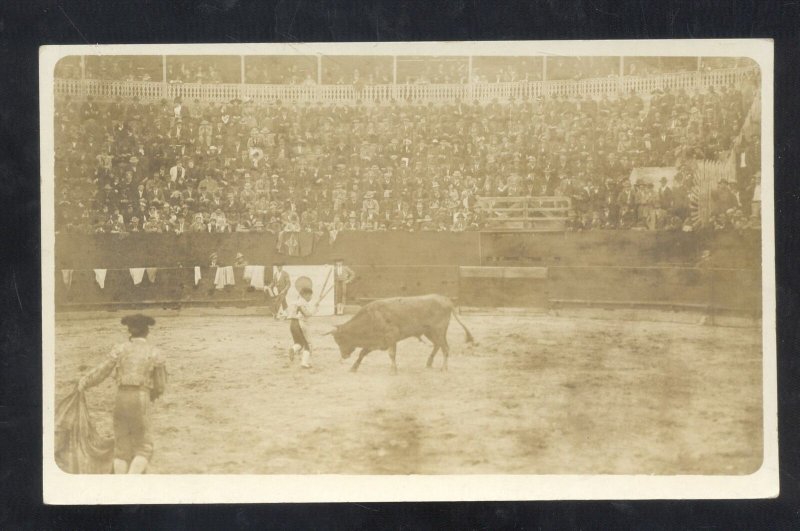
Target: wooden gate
526,213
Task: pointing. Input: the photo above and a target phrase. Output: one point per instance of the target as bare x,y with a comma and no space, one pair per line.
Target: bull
381,324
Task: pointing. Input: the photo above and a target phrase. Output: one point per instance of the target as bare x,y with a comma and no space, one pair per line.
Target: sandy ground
538,394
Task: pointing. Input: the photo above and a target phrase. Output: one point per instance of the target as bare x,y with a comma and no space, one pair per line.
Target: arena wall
595,248
478,269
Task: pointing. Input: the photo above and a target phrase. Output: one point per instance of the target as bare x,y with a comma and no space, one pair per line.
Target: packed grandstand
175,164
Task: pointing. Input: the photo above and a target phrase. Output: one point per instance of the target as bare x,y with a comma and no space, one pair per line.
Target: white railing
484,92
544,213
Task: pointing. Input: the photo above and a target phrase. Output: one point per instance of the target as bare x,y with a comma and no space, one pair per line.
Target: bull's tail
470,339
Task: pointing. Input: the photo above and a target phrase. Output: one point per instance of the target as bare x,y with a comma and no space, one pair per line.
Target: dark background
27,24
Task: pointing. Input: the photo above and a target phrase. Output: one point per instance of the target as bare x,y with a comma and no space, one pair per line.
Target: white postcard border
62,488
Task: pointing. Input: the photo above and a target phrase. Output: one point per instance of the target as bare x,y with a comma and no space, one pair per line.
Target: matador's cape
79,448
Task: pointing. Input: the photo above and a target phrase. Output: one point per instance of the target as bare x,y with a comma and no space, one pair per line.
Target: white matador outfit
298,313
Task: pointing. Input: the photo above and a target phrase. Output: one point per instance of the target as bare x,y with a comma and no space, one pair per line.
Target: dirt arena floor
538,394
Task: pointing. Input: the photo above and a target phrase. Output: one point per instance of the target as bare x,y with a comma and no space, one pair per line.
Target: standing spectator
664,203
280,286
343,276
748,162
177,172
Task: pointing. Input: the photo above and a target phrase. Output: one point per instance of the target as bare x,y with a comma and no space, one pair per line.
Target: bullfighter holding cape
141,377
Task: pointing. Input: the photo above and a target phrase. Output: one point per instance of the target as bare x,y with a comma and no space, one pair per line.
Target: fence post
698,75
164,85
395,94
84,88
241,78
544,69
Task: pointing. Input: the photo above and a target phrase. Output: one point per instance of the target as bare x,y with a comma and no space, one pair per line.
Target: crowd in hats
197,166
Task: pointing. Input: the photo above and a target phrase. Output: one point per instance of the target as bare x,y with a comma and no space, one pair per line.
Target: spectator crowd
203,69
177,166
124,68
357,71
432,70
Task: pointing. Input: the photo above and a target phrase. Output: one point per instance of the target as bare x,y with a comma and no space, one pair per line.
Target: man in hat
178,135
664,202
427,224
280,286
370,204
133,224
240,260
179,110
155,192
274,225
151,225
343,276
663,145
748,162
177,172
219,222
197,223
352,222
141,377
723,198
646,201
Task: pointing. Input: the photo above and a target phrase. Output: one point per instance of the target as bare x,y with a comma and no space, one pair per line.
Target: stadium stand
266,148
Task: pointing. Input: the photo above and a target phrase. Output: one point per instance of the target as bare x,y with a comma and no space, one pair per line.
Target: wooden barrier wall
735,289
78,251
480,269
641,248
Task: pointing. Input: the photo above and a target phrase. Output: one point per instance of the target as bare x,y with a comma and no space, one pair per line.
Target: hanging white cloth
137,274
248,272
219,278
100,277
197,275
229,278
66,276
256,276
151,274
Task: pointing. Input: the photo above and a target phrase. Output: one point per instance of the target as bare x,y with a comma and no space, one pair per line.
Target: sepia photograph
324,272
